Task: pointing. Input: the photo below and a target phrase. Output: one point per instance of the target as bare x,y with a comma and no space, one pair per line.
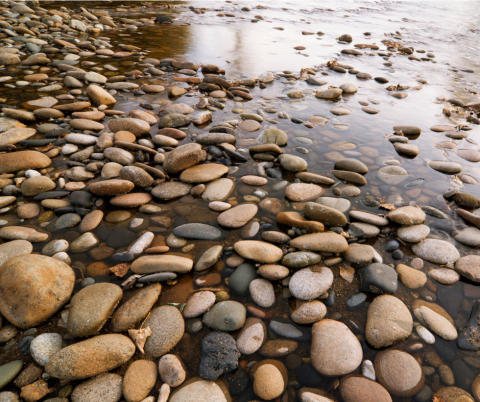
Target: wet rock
445,167
219,355
273,136
270,379
171,370
225,316
378,278
198,304
310,283
359,254
436,251
437,320
466,201
407,216
105,387
413,234
91,307
15,161
324,214
399,372
325,242
30,281
252,336
170,190
300,192
13,249
468,338
203,173
410,277
388,321
240,280
167,327
91,357
262,292
335,349
148,264
139,380
44,346
258,251
356,388
469,267
198,390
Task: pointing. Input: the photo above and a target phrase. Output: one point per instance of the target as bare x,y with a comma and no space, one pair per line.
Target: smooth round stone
171,370
378,278
198,304
292,163
469,267
273,136
310,283
351,191
445,167
240,280
269,379
258,251
139,380
14,248
388,321
262,292
309,312
160,277
360,229
340,111
436,251
203,173
323,213
335,350
149,264
359,253
358,388
106,387
198,231
407,216
300,259
9,371
199,390
368,217
392,245
349,88
249,125
167,327
436,321
469,236
413,234
44,346
399,372
445,276
425,334
300,192
218,190
326,242
226,316
252,336
410,277
238,216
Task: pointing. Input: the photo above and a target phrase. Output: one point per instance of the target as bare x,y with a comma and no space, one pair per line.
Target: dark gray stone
199,231
378,278
240,279
219,355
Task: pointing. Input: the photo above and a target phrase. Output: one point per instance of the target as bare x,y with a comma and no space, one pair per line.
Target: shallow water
246,49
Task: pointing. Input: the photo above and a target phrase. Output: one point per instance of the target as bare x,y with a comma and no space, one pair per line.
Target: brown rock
182,158
300,192
131,200
270,379
35,391
111,187
14,161
356,388
203,173
139,380
292,218
91,221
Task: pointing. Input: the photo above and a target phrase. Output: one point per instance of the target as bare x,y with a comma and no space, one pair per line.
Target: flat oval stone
200,231
258,251
203,173
323,242
300,192
436,251
445,167
167,327
90,357
238,216
310,283
226,316
148,264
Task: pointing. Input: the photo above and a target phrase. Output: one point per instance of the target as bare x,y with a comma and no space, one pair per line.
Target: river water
226,36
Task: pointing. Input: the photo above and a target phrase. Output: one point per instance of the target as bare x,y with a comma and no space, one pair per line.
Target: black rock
123,257
103,233
397,254
51,194
450,298
247,396
219,355
215,151
308,376
193,325
159,20
378,278
445,349
293,362
37,143
356,302
235,155
24,344
469,337
330,300
120,237
82,198
275,173
381,80
237,381
392,245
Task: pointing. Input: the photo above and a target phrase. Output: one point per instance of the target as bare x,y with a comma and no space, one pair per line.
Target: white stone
45,346
142,243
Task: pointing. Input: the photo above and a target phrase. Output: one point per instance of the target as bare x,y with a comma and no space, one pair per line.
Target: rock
105,388
167,327
262,292
466,200
258,251
399,372
445,167
273,136
468,266
9,371
83,243
322,213
209,258
292,163
436,322
238,216
44,346
199,231
359,254
99,96
252,336
331,93
198,390
413,234
352,165
137,176
300,192
135,126
270,379
30,281
388,321
171,370
219,355
203,173
292,218
352,177
407,216
445,276
23,233
28,211
356,388
363,230
90,357
148,264
300,259
15,161
335,349
225,316
309,312
325,242
198,304
309,283
13,249
436,251
91,307
392,175
218,190
410,277
15,135
171,189
139,380
468,338
241,278
469,236
136,308
378,278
